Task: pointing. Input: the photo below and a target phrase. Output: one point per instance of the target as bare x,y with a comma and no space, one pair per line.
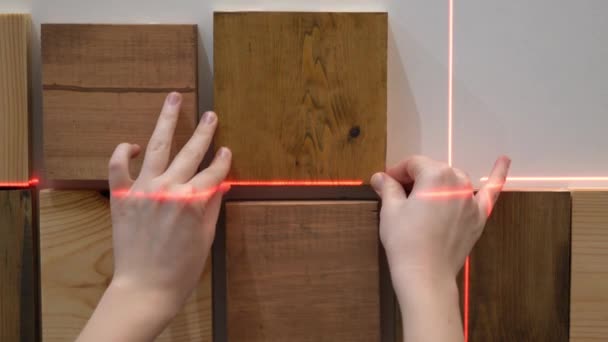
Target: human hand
164,221
429,234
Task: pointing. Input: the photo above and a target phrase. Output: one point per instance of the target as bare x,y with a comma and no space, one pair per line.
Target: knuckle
441,173
158,145
114,164
192,152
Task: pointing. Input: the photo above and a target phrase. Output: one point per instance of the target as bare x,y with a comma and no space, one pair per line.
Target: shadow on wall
403,119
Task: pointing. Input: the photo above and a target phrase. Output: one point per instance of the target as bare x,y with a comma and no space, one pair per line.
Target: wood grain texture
589,290
15,219
105,84
14,97
301,95
76,267
302,271
520,270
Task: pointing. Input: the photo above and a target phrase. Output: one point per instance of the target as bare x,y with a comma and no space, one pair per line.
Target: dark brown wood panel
302,271
105,84
520,270
15,220
301,96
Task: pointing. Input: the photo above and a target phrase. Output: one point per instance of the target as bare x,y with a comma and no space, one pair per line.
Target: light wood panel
14,97
301,95
589,290
302,271
15,220
520,270
105,84
76,267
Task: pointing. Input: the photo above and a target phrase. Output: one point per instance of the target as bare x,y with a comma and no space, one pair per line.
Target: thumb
387,187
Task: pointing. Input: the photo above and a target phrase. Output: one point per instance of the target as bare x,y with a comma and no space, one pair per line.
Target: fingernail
174,98
377,180
209,117
223,152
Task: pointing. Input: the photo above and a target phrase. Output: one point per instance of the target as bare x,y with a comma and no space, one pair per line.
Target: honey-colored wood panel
14,97
15,219
105,84
76,267
520,270
301,96
589,289
302,271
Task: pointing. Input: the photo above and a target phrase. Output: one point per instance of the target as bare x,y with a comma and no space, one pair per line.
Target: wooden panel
301,95
105,84
14,97
76,267
15,219
520,270
302,271
589,291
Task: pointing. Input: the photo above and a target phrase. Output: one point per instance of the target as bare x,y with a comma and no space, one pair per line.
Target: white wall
528,74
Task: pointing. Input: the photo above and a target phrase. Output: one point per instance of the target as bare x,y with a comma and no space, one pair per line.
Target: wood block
520,270
302,271
14,97
105,84
301,96
76,267
15,219
589,290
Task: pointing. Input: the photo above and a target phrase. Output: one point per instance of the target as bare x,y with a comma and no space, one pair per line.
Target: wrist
154,307
411,282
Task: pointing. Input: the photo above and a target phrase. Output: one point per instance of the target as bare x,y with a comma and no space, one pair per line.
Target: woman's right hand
430,232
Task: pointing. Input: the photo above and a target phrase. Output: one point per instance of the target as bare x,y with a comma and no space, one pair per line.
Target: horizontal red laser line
27,184
453,192
296,183
552,179
171,196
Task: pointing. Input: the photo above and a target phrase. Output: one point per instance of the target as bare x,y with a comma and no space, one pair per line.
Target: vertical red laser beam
450,76
466,299
450,150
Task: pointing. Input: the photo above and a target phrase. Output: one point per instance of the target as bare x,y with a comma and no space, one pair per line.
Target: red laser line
450,147
296,183
450,77
467,265
27,184
171,196
223,187
552,179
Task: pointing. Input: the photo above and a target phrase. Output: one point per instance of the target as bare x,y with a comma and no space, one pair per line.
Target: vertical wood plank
520,270
105,84
309,89
76,267
302,271
15,219
14,98
589,291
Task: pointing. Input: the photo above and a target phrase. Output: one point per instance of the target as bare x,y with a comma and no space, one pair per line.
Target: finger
214,175
387,187
488,193
407,171
159,146
189,158
118,167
